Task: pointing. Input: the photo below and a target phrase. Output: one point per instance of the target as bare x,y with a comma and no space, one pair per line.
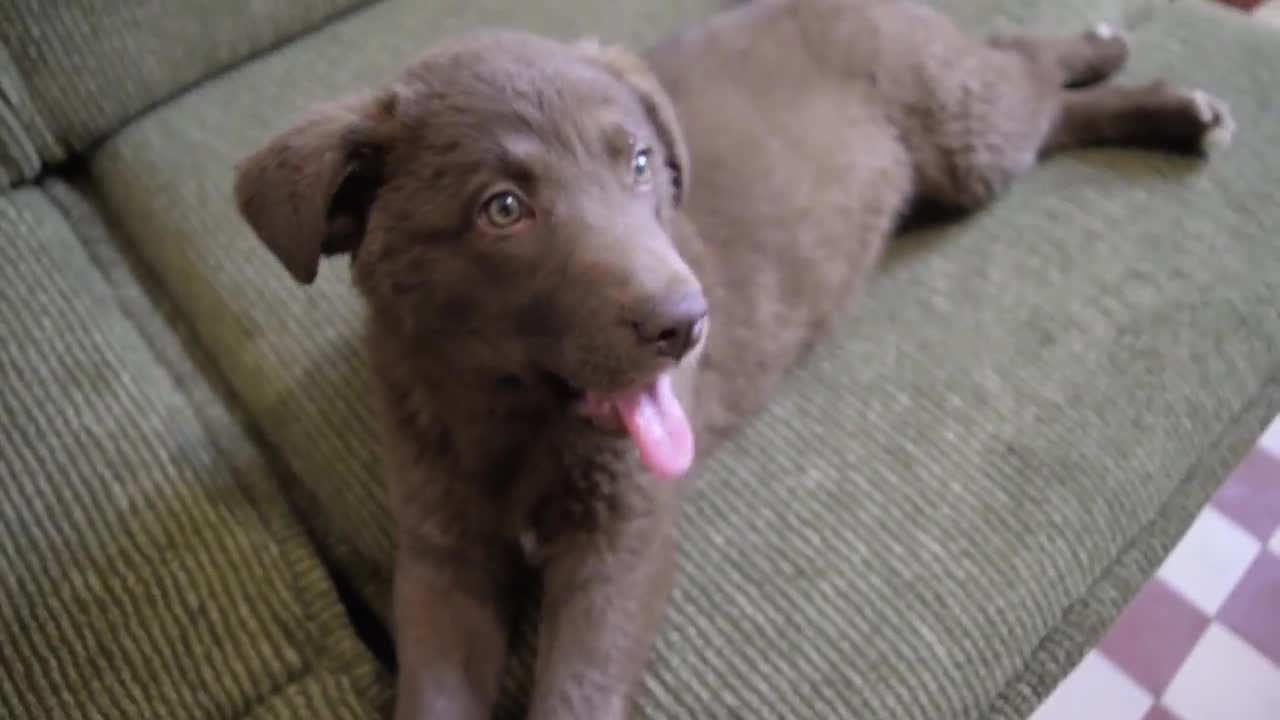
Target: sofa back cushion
71,71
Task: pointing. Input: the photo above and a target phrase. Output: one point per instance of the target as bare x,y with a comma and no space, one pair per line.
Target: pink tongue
659,428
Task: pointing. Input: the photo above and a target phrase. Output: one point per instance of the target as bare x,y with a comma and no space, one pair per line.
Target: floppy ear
632,70
307,192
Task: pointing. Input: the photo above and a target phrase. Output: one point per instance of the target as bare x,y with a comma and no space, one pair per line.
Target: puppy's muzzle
673,325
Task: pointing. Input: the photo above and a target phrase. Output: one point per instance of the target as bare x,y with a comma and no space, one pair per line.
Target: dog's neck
489,415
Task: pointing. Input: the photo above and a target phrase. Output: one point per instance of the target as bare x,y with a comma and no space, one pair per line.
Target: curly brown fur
503,354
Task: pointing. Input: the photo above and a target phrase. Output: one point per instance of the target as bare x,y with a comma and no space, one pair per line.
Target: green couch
945,505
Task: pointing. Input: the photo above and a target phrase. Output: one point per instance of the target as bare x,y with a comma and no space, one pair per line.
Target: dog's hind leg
1157,116
1078,60
994,104
1023,102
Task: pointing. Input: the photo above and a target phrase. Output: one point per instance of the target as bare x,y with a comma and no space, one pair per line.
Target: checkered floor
1202,640
1267,10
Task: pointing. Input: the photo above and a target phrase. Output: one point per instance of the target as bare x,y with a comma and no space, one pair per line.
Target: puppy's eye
504,210
641,165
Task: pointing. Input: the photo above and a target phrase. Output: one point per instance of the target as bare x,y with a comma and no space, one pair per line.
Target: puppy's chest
519,483
583,497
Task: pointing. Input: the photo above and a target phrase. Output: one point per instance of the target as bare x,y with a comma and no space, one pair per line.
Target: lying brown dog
544,234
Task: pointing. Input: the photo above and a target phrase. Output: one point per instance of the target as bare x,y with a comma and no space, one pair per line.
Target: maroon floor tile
1158,712
1251,496
1245,5
1253,608
1153,635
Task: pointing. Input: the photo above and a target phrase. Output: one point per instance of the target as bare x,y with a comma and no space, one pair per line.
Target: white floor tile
1209,560
1269,11
1096,689
1225,678
1271,436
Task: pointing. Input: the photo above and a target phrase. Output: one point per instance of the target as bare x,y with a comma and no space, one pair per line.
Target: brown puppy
542,255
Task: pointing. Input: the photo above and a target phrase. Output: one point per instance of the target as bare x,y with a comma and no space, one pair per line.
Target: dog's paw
1104,31
1215,115
1108,34
1105,50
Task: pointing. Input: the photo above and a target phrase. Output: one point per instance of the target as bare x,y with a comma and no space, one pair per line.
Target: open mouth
650,414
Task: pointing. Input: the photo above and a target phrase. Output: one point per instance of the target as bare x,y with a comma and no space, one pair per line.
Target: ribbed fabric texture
71,71
25,142
934,495
148,570
314,698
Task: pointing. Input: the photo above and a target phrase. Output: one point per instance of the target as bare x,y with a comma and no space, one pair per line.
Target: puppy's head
508,200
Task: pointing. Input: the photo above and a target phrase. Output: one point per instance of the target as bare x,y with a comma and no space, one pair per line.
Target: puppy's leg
1157,116
602,603
1078,60
451,636
1020,112
989,116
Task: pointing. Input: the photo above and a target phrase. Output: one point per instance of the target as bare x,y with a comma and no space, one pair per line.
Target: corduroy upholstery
151,567
71,71
944,506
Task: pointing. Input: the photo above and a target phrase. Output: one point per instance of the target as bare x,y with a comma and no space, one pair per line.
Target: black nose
674,325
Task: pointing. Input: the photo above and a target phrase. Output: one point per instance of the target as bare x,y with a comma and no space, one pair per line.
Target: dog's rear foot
1218,128
1079,60
1158,115
1188,119
1099,53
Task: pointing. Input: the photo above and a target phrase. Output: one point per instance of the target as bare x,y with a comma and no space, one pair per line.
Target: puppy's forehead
510,79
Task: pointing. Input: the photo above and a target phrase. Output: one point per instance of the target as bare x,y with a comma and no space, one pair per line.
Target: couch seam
313,649
252,712
31,137
67,149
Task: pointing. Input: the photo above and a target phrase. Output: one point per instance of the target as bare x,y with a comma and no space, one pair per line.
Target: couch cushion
152,568
931,492
1066,16
73,70
955,495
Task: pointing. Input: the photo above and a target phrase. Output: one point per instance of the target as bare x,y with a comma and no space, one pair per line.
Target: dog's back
805,124
814,124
